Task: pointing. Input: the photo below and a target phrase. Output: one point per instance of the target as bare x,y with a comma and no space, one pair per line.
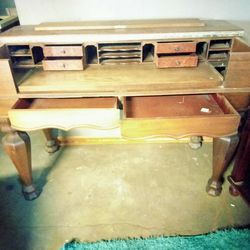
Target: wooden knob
177,49
178,63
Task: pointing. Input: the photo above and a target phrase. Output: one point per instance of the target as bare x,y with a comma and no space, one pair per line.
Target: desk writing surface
129,79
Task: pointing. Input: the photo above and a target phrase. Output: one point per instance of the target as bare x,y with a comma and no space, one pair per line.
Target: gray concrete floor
94,192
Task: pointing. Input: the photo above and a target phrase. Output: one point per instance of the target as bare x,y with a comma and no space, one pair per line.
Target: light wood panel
128,24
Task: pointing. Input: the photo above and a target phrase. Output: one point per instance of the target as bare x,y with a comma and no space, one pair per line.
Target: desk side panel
238,73
7,83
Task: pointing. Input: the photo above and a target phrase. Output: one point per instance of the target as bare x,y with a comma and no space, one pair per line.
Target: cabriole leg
223,150
17,146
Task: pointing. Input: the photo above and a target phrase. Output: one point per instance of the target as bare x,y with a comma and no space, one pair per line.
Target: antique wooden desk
169,78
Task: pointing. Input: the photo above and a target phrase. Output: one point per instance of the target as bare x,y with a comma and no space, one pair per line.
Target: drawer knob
63,65
177,49
178,63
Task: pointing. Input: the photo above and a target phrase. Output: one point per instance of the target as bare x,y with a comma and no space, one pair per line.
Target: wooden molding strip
122,24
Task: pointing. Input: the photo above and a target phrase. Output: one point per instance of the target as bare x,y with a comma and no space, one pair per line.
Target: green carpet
224,239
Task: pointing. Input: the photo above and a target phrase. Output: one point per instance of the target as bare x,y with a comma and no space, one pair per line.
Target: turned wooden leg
195,142
17,146
51,145
223,150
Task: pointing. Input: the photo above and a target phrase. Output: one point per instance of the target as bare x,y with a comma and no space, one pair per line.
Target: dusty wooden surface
128,24
28,34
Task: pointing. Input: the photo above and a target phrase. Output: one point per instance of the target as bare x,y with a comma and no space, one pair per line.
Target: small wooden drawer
65,114
63,64
63,51
172,48
179,116
177,61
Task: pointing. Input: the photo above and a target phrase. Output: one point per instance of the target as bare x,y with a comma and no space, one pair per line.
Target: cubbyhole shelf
148,52
218,54
22,61
202,49
19,50
119,53
37,53
223,44
25,56
91,54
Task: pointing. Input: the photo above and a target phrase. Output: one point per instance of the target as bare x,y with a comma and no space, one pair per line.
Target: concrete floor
95,192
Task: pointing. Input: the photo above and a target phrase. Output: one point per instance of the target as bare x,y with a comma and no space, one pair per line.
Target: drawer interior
176,106
66,103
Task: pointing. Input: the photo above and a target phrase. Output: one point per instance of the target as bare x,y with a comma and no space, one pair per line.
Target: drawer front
179,116
177,61
65,114
185,47
67,64
63,51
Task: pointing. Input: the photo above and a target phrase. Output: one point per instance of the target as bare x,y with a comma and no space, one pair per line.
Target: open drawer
179,116
67,113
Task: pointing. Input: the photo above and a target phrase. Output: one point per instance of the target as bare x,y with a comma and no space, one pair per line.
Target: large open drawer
67,113
179,116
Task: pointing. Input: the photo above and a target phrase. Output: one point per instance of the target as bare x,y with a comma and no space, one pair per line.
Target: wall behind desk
37,11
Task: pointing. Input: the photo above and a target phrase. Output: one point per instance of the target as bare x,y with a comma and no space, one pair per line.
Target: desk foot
223,150
195,142
214,188
51,145
30,193
235,186
233,191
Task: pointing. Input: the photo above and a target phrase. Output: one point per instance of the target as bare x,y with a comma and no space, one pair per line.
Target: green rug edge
230,239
